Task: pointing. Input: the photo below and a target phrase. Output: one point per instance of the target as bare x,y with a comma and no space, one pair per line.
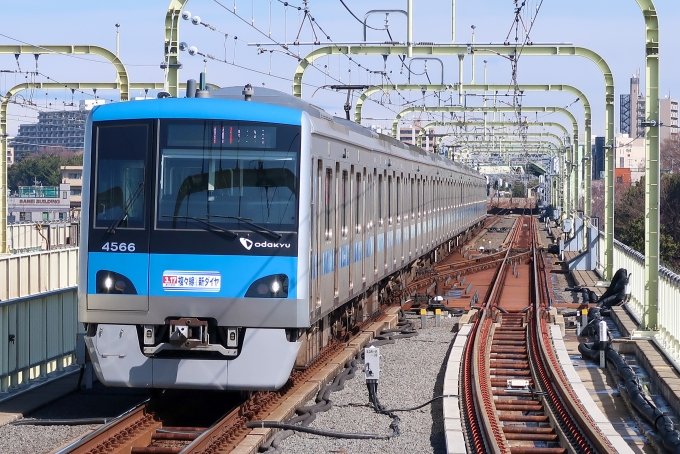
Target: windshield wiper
247,221
205,222
125,210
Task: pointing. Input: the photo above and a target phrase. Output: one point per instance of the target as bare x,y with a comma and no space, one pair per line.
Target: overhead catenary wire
286,50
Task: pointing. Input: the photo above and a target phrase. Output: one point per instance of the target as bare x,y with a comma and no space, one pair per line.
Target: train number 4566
114,246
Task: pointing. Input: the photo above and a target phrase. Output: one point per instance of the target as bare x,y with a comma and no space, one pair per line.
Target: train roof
281,108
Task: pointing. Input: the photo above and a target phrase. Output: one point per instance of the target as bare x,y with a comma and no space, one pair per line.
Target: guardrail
23,237
669,295
38,315
38,272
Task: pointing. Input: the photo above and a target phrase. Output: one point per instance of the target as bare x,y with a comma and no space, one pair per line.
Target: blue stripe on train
236,272
344,256
327,261
358,249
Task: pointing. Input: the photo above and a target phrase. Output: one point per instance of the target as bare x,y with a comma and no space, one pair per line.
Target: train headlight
272,286
114,283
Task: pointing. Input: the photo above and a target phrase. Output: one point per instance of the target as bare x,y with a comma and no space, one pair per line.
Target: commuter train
226,242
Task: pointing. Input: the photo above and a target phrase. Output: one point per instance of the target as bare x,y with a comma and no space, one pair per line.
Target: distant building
63,129
410,136
630,154
598,159
40,203
10,156
633,113
73,176
622,177
668,116
632,110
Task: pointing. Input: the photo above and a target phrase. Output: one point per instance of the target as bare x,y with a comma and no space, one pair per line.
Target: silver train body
368,208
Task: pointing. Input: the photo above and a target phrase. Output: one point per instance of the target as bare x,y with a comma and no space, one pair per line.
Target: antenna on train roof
191,88
248,92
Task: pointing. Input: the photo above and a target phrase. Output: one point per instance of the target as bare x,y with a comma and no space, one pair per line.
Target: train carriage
226,241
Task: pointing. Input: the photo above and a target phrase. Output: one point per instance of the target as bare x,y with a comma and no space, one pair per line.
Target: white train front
226,241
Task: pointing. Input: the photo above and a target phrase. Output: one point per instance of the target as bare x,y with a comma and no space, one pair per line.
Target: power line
65,54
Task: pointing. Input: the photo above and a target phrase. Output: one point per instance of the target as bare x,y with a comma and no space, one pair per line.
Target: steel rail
483,431
483,423
564,403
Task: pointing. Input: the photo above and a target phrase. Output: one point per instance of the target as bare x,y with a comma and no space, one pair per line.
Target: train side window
389,199
397,211
344,202
418,197
327,204
413,195
358,210
380,200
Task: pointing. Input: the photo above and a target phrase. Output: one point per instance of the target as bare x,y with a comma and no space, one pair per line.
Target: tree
42,168
629,219
518,189
670,154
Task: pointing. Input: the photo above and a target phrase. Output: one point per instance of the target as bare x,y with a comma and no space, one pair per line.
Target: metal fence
25,237
38,314
669,296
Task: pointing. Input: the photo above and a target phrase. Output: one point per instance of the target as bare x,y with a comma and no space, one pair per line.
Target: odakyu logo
249,244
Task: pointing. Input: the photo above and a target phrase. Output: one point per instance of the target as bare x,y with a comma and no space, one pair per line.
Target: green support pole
652,176
588,171
565,185
171,51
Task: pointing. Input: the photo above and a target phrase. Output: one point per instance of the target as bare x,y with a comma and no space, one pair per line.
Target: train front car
189,261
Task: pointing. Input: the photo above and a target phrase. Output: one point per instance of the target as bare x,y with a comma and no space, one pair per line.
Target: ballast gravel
37,439
99,402
411,373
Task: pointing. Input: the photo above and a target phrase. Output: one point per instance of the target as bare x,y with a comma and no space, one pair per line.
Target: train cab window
122,153
224,171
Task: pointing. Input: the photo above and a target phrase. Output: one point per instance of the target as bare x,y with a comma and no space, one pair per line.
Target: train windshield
122,153
220,171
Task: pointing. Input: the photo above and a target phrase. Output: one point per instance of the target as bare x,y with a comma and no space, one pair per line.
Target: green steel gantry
506,134
122,83
509,52
493,88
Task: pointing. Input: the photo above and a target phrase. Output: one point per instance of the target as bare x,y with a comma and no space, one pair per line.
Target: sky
612,28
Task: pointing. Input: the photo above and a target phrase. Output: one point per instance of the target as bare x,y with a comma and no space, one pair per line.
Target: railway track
167,425
514,399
